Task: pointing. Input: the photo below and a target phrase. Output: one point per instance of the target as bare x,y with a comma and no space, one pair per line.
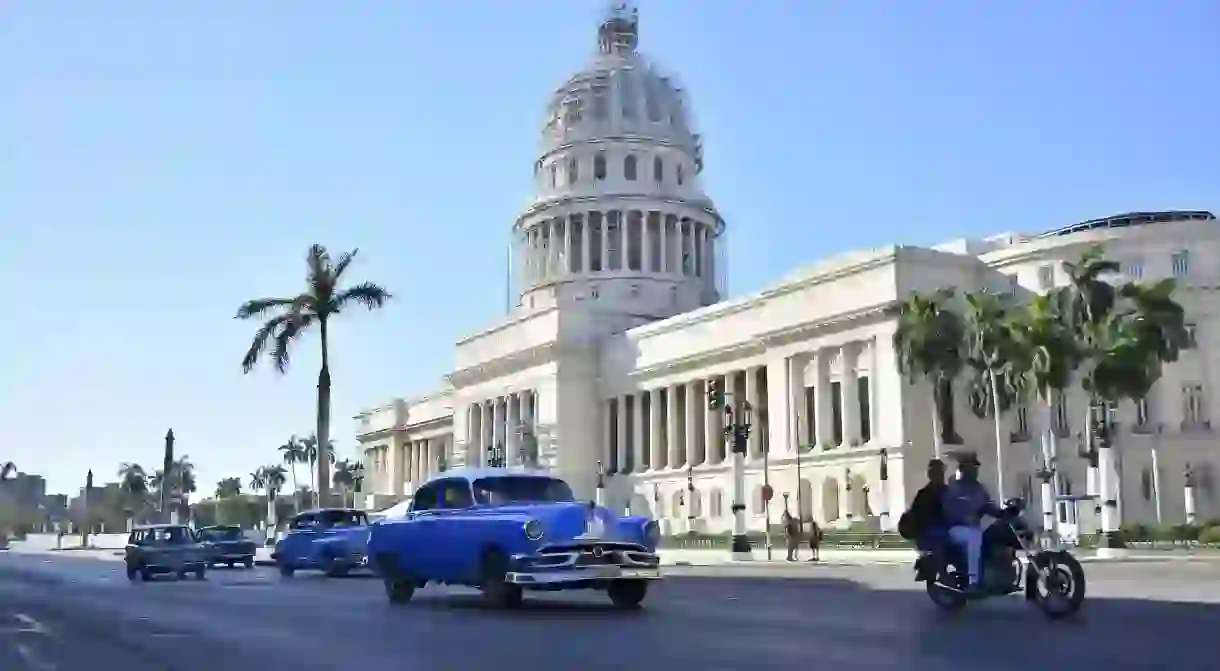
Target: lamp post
690,500
848,509
767,491
599,495
737,431
167,474
1188,493
885,490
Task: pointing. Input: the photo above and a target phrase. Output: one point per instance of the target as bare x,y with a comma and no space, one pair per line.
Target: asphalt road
66,614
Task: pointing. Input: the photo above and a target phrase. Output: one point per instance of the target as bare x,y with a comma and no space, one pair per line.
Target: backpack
907,527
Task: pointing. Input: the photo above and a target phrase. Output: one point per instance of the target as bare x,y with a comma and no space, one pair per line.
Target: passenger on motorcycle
924,522
965,502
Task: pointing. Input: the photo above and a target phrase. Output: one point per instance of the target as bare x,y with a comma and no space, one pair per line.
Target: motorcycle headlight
533,530
652,533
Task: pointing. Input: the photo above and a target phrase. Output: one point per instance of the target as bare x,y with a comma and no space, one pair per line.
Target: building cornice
504,365
506,324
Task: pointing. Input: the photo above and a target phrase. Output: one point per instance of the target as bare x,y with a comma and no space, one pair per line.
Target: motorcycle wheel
1060,587
945,598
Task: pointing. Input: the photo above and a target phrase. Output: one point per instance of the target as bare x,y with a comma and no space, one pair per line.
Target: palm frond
367,294
288,332
266,334
260,306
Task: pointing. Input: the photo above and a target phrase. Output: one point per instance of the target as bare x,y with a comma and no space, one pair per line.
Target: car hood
567,520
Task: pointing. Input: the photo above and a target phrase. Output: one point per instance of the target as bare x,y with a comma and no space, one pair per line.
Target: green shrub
1210,535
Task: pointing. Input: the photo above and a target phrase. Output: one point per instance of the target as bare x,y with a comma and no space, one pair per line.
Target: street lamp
737,431
885,489
599,496
690,500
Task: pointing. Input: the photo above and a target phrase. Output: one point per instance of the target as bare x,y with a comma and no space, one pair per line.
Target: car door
297,544
419,543
449,539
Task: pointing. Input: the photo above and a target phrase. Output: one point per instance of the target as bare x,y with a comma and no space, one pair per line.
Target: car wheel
229,564
133,573
286,570
627,593
181,575
145,574
201,572
248,562
498,593
335,568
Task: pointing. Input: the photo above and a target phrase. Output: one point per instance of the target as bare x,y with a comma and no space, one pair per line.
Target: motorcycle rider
924,522
965,501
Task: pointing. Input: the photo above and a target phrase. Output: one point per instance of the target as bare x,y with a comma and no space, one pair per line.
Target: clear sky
160,162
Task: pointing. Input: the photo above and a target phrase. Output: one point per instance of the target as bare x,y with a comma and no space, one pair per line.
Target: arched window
573,170
599,166
630,167
679,173
658,169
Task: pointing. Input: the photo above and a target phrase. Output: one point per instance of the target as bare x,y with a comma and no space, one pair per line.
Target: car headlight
533,530
652,533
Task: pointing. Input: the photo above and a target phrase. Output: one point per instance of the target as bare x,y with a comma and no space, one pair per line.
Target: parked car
164,548
331,540
506,531
227,545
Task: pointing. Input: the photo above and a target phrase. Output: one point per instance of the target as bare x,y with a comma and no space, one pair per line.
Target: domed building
622,326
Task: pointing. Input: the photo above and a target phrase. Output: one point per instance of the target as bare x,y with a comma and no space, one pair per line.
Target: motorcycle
1011,562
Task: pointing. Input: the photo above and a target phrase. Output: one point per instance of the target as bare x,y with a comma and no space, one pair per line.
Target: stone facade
622,324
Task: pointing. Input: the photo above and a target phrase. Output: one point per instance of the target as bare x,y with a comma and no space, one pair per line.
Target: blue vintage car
506,531
331,540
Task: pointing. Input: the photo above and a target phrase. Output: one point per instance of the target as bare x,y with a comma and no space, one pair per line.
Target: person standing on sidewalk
792,534
815,538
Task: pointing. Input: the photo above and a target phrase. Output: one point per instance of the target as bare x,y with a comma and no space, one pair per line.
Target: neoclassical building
623,322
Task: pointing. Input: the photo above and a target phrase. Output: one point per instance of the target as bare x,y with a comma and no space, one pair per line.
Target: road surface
66,614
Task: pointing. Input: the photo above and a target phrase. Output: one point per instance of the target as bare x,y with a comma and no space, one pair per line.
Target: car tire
248,562
286,570
201,573
627,594
181,575
496,591
229,564
133,573
145,574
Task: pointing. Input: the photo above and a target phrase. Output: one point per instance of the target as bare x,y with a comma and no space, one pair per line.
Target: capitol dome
618,213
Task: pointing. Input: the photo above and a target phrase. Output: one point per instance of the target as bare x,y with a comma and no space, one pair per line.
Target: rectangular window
1023,421
1181,263
811,418
1134,269
1194,413
836,411
1143,413
862,393
1062,426
1046,277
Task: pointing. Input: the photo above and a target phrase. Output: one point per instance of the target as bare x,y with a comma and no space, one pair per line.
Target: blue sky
161,162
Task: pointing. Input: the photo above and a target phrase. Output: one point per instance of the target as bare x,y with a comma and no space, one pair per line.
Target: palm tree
311,457
181,483
133,482
928,343
293,453
270,479
999,366
228,488
288,318
347,475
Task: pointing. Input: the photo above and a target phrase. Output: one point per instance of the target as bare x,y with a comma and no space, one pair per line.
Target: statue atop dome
619,32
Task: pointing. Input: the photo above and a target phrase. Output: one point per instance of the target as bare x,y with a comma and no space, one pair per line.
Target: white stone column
755,442
555,248
623,225
607,434
822,395
568,254
874,395
693,396
474,415
796,405
658,450
621,447
513,442
489,431
587,240
639,431
394,470
713,423
850,403
605,242
674,442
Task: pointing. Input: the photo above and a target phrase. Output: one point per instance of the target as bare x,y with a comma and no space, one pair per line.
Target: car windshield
222,534
172,536
343,518
515,489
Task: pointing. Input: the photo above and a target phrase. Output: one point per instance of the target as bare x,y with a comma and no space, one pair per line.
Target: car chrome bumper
582,574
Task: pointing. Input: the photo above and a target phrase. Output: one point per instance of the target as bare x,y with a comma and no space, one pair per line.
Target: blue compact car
331,540
506,531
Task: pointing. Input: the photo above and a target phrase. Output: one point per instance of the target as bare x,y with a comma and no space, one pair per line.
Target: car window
172,536
455,494
222,534
529,489
304,522
425,498
344,518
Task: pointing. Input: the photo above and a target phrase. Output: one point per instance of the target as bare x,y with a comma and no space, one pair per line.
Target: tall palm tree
310,444
133,483
347,475
289,318
270,479
293,453
929,346
181,483
1052,350
999,366
228,488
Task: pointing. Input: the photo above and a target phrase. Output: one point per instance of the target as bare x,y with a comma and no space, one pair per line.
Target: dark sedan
227,545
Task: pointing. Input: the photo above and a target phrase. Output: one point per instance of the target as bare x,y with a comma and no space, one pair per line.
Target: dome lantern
619,32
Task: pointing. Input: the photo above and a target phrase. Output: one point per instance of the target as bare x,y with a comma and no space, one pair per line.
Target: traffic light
715,395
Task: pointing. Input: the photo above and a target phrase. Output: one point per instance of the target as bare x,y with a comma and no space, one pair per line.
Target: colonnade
498,426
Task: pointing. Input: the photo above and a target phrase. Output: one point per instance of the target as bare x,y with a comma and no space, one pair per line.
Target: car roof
315,511
472,474
220,526
150,527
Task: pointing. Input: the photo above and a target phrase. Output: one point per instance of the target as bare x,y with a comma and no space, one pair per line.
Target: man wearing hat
965,503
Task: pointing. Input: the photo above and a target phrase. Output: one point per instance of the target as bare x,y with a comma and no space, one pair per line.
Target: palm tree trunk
296,503
323,428
999,440
938,442
313,477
